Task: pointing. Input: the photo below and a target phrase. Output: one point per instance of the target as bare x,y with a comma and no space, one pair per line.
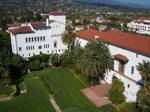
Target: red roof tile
56,12
39,25
25,29
121,57
132,42
143,20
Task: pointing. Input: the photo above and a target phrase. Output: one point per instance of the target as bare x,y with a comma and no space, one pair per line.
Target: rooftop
39,25
121,57
25,29
56,12
143,20
132,42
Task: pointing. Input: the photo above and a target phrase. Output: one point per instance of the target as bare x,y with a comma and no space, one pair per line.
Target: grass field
5,90
108,108
35,100
59,82
67,90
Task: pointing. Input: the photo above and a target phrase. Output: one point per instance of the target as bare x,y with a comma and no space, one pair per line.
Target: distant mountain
113,2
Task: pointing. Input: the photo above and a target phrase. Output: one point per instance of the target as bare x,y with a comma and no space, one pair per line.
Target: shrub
37,62
55,60
35,65
115,94
128,107
66,59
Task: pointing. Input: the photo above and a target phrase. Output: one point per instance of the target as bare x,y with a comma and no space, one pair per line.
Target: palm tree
68,38
143,99
4,75
96,61
144,69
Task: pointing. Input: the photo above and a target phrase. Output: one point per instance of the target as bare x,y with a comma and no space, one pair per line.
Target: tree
96,61
68,38
17,68
115,94
96,25
66,58
5,40
38,62
55,60
4,75
143,97
144,69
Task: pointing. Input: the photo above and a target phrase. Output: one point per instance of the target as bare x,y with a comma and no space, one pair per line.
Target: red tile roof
132,42
56,12
25,29
143,20
121,57
39,25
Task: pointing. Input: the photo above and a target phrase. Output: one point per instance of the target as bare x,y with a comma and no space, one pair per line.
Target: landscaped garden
35,100
63,85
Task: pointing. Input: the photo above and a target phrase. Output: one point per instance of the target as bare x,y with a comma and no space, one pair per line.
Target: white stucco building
28,39
128,50
141,26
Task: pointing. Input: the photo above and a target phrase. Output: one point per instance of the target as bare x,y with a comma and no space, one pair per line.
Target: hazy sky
142,2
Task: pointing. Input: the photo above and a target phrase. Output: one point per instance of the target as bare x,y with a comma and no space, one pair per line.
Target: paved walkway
97,94
53,102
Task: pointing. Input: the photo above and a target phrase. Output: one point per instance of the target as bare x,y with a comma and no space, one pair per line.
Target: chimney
96,37
47,22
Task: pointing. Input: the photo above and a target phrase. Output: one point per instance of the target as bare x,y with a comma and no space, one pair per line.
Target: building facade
141,26
29,39
128,50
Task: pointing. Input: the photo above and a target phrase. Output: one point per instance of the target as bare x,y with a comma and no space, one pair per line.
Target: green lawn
108,108
5,90
59,82
67,90
35,100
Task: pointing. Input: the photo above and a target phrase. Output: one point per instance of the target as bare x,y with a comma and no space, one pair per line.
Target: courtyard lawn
35,100
108,108
67,90
58,82
5,90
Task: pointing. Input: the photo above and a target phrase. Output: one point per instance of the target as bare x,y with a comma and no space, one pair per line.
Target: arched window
40,47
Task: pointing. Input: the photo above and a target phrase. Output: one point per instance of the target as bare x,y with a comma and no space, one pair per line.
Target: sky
142,2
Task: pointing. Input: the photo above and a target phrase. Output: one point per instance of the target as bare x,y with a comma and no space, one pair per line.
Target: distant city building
29,39
128,51
141,26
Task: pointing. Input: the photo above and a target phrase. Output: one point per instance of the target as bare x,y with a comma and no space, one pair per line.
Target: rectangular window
132,70
35,39
55,44
29,39
26,39
32,39
38,39
44,38
20,49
